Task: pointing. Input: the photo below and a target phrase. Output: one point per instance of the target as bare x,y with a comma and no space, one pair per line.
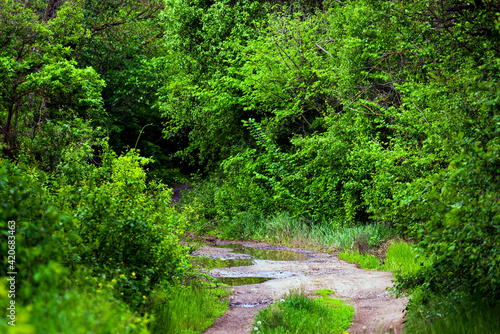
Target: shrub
42,233
460,208
442,314
126,224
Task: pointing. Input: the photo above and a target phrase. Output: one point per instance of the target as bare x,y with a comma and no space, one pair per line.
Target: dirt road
364,289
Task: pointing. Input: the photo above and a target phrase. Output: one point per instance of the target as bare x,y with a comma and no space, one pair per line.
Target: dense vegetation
339,114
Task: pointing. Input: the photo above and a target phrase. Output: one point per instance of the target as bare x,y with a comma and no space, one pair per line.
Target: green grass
188,309
284,229
403,258
298,314
364,261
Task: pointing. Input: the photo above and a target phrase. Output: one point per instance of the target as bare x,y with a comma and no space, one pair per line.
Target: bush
72,307
43,234
49,296
106,220
126,224
460,236
441,314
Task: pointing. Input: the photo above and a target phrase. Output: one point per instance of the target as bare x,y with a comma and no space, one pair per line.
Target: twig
323,49
421,112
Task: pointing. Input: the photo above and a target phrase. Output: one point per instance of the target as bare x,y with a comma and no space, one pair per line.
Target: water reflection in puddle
209,263
255,253
233,281
265,254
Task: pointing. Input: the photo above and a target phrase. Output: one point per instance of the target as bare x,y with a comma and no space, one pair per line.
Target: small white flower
259,323
282,300
255,329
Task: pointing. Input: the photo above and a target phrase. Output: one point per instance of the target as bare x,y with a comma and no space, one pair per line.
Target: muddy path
366,290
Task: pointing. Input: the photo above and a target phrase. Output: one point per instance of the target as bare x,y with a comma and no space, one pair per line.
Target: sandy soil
366,290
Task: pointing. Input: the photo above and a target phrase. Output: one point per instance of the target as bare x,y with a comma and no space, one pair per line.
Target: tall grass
188,309
403,258
285,229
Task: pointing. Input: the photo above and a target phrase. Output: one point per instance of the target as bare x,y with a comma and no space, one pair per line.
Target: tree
39,80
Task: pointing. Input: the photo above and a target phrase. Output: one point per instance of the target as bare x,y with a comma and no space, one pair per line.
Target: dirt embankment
364,289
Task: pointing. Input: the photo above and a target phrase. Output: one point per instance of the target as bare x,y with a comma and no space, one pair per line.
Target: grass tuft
366,261
298,314
403,258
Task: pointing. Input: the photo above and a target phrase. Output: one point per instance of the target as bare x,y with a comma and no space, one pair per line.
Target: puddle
264,254
233,281
209,263
254,304
245,256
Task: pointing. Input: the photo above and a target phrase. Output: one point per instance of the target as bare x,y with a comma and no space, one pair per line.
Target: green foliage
48,296
41,231
444,314
126,225
105,222
354,112
373,110
461,232
313,158
73,309
200,97
124,38
188,309
298,314
39,79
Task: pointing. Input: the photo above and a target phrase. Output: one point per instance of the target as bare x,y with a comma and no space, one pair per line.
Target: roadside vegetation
333,124
297,313
188,309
